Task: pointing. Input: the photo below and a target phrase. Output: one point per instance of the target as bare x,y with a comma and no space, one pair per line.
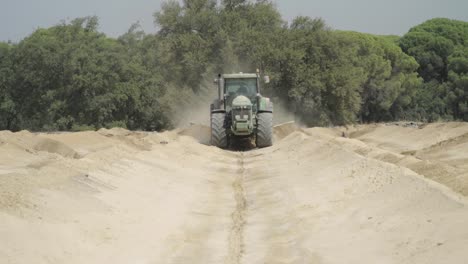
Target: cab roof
239,75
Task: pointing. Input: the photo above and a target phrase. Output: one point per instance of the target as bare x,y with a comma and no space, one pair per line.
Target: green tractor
240,112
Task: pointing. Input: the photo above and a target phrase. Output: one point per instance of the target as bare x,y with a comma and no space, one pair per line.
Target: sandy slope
115,196
437,151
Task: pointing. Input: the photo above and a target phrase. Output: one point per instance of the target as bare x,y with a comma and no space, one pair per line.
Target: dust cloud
282,114
194,109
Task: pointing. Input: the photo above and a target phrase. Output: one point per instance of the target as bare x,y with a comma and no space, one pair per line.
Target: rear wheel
264,136
219,136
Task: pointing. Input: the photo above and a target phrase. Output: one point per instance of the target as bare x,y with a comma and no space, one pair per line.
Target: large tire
264,136
219,137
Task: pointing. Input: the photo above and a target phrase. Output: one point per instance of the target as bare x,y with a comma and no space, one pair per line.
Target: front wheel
264,136
219,136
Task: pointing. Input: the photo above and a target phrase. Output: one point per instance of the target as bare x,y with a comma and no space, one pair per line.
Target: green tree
71,76
439,46
458,82
7,105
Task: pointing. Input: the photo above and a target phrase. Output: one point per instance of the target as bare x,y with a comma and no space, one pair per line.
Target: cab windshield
236,87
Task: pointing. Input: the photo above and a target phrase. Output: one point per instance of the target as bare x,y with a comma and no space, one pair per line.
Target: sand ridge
386,193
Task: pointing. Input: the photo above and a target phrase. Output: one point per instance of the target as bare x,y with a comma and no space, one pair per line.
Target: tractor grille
243,113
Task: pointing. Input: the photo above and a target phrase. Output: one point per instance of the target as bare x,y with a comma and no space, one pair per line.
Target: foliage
7,105
441,48
71,77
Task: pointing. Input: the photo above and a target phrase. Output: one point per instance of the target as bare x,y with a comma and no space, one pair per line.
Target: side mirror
266,78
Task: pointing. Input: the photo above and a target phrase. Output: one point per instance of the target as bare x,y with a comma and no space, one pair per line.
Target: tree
439,46
7,105
72,77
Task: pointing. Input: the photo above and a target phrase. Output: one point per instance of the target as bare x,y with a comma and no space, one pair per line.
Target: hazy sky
19,18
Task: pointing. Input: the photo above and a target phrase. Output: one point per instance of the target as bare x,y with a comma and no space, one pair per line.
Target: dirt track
381,194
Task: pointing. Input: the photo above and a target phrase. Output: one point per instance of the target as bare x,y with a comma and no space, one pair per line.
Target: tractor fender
265,105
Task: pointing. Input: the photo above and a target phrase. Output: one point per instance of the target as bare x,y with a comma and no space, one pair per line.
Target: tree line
72,77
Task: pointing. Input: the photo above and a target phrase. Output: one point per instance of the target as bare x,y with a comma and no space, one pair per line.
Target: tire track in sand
236,236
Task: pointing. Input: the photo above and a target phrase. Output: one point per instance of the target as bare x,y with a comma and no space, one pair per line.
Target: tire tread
218,130
264,136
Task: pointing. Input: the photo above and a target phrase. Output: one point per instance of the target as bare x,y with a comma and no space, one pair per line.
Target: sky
19,18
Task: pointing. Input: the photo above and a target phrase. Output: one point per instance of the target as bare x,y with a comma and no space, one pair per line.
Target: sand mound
31,143
116,131
165,198
200,132
132,139
283,130
400,138
437,151
54,146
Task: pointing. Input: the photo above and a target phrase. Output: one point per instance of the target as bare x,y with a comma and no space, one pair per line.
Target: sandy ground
380,194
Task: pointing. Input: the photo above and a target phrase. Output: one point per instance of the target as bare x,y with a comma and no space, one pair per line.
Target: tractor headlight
241,113
242,117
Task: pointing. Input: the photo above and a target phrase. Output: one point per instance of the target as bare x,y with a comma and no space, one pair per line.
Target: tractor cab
235,85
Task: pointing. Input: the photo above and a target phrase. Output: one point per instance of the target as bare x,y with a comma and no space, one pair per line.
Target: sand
382,194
